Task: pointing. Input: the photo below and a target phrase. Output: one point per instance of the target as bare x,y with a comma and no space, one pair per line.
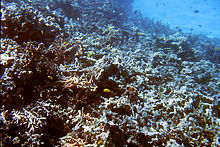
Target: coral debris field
90,73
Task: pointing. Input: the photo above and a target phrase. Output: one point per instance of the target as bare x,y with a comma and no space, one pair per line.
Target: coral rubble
78,73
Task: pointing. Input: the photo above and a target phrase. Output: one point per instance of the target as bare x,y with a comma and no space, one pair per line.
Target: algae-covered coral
90,78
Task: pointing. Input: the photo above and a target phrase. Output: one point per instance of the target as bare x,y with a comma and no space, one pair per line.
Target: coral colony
90,73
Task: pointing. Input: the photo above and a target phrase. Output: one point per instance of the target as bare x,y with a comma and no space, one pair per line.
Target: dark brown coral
27,24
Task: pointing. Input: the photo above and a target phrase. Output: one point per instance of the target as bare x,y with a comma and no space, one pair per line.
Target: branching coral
101,86
26,24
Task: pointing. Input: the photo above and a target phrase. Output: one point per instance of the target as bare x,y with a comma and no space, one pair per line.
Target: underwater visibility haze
110,73
196,16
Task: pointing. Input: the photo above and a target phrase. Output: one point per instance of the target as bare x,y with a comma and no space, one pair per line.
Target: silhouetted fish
196,11
135,12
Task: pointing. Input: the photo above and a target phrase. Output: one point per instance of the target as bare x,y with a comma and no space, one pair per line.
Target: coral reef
26,24
89,78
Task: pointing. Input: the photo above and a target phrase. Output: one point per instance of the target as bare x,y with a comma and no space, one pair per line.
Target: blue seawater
194,16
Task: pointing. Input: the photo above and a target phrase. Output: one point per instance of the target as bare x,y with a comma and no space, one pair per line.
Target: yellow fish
139,33
217,48
50,77
164,38
106,90
89,55
100,142
110,28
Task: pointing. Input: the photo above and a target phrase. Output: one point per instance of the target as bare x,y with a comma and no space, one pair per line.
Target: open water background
181,14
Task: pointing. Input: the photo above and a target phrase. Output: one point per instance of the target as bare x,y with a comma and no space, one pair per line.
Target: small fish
90,54
106,90
100,142
196,11
164,38
135,12
217,48
110,28
50,77
178,28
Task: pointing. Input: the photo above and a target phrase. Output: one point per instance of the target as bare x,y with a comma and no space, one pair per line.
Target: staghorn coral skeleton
164,88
